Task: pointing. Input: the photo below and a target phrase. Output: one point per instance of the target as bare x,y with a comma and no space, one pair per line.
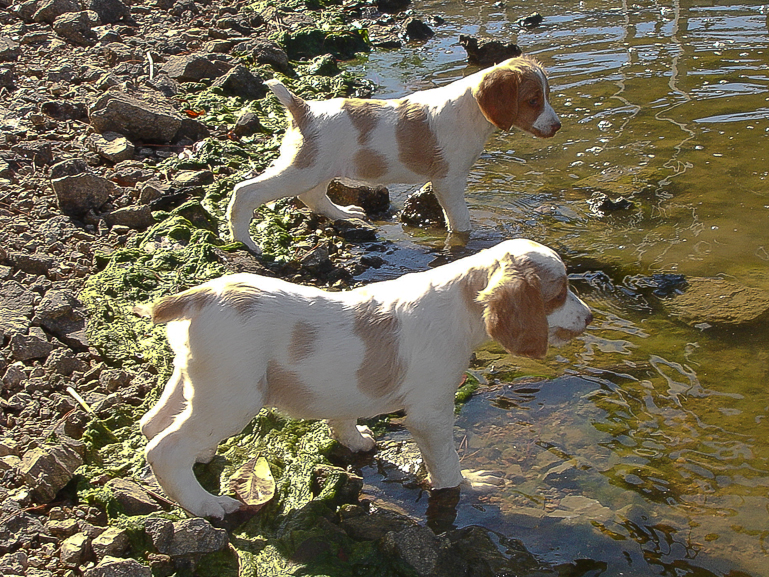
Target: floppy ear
514,312
497,97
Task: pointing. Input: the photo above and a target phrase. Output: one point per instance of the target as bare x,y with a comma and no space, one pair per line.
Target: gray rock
19,529
133,499
78,194
240,82
13,563
113,542
111,145
47,469
62,529
152,190
317,259
191,68
71,167
135,119
114,379
418,546
75,27
267,52
34,345
247,124
375,525
32,263
63,316
74,549
113,567
49,10
185,178
188,537
721,302
117,52
9,49
7,79
109,11
63,361
14,375
136,217
16,308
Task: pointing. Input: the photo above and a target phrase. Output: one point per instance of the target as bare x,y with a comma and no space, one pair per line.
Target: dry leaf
253,482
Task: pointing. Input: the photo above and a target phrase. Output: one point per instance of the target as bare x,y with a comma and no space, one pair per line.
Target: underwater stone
720,302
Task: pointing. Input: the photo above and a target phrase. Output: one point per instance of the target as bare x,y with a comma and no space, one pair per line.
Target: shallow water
646,449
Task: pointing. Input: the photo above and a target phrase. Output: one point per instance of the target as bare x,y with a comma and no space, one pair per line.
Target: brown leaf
253,482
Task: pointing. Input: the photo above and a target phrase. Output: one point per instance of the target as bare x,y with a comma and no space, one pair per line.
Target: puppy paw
482,481
366,442
206,456
353,211
216,507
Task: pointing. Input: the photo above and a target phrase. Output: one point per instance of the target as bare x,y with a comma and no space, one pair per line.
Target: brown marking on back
504,92
286,391
182,305
364,115
418,148
369,164
381,371
303,339
301,119
243,297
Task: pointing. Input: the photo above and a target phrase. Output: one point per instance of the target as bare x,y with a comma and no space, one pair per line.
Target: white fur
456,117
224,353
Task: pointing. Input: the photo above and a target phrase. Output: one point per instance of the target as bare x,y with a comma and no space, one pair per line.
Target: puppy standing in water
243,341
433,136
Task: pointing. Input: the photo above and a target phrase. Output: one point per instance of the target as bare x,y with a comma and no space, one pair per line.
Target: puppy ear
514,312
497,97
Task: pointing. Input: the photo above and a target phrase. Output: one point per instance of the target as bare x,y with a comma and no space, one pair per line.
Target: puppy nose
556,126
589,319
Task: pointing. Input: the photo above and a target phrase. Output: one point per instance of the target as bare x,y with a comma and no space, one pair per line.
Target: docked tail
176,307
295,105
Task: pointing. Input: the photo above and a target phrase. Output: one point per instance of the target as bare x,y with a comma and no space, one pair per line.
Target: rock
70,167
191,68
374,525
113,567
39,151
16,308
113,542
132,498
136,217
422,209
317,259
240,82
109,11
47,469
416,30
14,375
720,302
418,546
7,78
34,345
74,550
63,316
116,52
64,362
391,6
191,178
246,125
65,110
78,194
62,529
600,204
14,564
474,549
32,263
111,146
49,10
373,200
323,65
19,529
186,538
488,52
135,119
9,49
266,52
531,21
75,27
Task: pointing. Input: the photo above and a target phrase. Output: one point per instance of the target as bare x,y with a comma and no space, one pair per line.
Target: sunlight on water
650,453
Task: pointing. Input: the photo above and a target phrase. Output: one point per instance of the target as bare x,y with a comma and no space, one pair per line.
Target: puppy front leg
451,196
353,436
434,433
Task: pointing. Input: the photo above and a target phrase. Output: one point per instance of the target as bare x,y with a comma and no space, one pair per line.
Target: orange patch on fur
286,391
303,339
417,144
369,164
301,119
381,371
364,115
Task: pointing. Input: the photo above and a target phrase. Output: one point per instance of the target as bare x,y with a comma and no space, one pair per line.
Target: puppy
243,342
434,135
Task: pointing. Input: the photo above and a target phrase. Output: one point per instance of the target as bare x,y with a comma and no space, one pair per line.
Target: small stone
61,314
247,124
113,567
83,192
111,146
373,200
14,375
113,542
62,529
241,82
46,470
133,499
34,345
133,217
486,53
75,27
14,564
418,546
415,30
423,209
195,536
114,379
74,550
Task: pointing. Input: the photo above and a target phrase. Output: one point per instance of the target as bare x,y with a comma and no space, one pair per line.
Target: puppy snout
588,319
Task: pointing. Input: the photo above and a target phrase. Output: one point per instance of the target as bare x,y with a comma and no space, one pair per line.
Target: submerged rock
601,204
720,302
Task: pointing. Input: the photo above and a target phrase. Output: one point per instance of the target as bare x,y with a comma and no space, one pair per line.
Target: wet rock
317,259
415,30
112,542
356,230
323,65
132,498
184,538
61,314
373,200
34,345
136,217
487,52
47,469
720,302
75,27
391,6
9,49
422,209
601,204
372,526
476,554
113,567
80,193
16,308
419,547
531,21
111,146
109,11
19,529
135,119
247,124
241,82
49,10
74,549
191,68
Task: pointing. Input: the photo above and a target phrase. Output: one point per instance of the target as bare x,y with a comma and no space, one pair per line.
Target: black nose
589,319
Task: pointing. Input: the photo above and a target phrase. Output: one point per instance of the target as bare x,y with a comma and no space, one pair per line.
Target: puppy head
527,304
516,93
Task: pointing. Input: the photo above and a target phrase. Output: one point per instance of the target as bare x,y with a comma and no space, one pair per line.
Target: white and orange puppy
434,135
243,342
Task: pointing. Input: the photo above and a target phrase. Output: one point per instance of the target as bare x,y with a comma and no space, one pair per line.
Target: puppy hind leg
355,437
170,404
318,201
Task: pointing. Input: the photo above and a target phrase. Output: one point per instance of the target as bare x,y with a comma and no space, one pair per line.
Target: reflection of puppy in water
244,341
433,135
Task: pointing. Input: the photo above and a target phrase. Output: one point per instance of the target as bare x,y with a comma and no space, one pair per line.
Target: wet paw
482,481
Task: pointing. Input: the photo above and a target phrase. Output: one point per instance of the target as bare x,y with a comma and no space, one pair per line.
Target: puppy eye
534,102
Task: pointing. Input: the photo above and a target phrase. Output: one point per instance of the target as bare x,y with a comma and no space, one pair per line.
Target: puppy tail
295,105
176,307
